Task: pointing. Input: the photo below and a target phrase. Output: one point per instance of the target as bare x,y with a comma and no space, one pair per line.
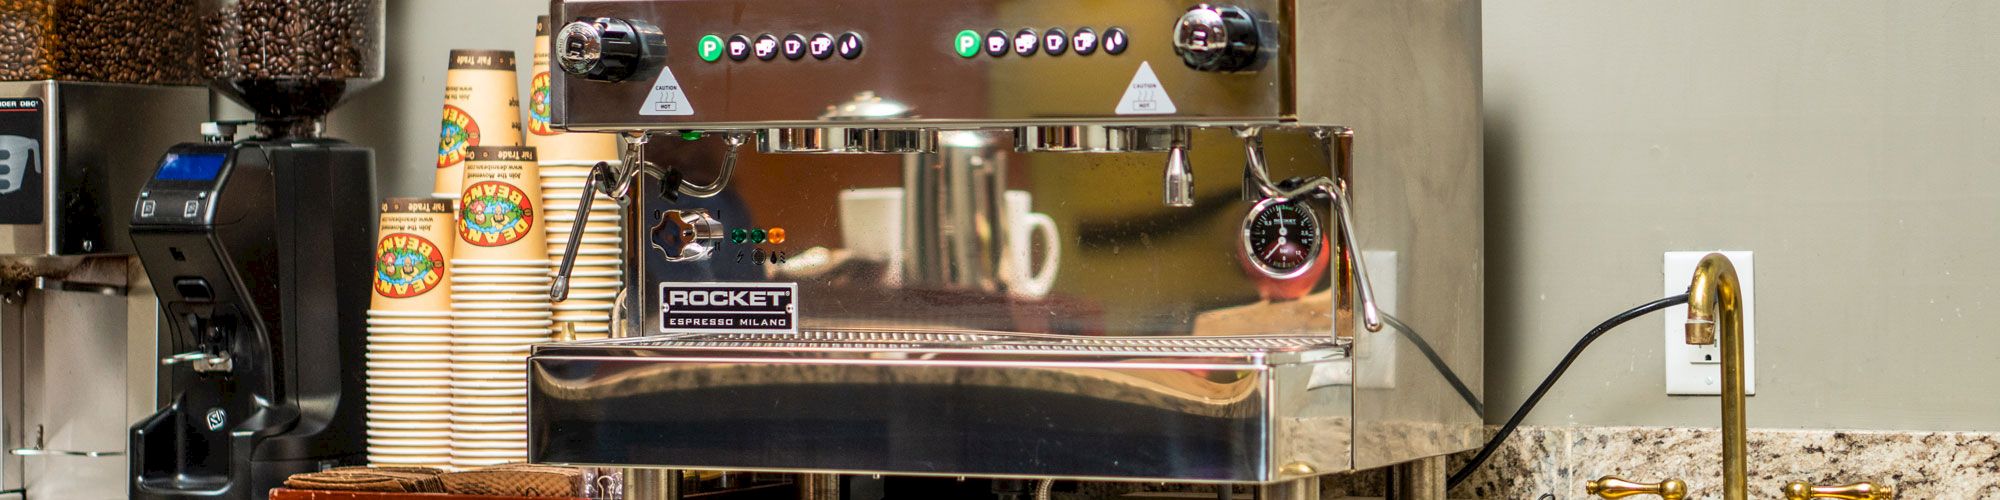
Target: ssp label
729,308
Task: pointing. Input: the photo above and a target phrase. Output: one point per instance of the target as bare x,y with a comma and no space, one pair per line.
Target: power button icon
966,44
710,48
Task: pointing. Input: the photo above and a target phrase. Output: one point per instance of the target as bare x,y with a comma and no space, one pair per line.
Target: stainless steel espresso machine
1137,240
77,315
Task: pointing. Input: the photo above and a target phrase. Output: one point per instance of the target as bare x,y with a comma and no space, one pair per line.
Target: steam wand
1259,177
606,180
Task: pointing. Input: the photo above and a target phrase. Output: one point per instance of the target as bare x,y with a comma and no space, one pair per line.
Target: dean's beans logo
407,265
457,133
494,214
538,105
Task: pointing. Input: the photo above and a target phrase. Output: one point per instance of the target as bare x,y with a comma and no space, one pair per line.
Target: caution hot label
666,97
1145,95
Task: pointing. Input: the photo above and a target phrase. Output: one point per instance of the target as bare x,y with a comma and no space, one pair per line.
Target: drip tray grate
984,341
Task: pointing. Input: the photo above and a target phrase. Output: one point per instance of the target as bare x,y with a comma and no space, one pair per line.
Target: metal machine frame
1370,107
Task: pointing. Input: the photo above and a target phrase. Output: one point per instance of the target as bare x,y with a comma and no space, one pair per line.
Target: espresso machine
254,248
1137,241
78,321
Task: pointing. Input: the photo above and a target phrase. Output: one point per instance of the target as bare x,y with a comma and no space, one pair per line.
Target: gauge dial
1282,238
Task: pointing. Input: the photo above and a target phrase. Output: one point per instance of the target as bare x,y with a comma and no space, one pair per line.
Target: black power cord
1486,452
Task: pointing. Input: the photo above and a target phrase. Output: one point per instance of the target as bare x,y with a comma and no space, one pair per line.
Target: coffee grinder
258,253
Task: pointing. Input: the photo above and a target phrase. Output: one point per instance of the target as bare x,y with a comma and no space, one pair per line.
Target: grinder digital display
190,167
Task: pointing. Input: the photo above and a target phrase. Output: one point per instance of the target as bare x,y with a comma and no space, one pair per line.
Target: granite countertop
1553,463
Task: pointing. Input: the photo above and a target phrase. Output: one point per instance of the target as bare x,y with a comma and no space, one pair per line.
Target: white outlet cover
1697,370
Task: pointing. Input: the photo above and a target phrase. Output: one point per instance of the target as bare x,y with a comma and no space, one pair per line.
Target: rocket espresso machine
1133,241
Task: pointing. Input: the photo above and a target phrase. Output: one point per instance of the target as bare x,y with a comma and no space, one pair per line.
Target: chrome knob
690,234
608,49
1222,38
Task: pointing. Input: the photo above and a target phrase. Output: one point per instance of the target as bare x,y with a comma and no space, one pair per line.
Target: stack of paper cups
409,335
595,279
482,107
499,305
566,160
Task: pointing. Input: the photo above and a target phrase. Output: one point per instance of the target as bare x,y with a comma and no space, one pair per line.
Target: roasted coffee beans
123,41
293,39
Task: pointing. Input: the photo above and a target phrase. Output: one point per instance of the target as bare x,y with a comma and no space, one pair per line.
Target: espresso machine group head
258,250
1133,240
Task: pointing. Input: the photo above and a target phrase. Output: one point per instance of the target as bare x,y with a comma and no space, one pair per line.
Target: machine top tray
888,345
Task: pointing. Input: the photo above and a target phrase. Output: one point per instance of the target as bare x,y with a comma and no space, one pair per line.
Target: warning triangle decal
666,98
1145,96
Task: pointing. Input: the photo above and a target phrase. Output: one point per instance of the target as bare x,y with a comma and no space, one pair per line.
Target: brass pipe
1715,309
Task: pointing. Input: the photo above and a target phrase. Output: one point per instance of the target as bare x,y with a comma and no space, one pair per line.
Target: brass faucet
1715,306
1715,302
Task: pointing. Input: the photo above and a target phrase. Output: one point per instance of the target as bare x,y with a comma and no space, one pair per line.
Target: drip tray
1202,409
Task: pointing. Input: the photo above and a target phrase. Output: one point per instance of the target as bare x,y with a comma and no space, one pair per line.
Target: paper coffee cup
482,107
500,215
556,145
414,240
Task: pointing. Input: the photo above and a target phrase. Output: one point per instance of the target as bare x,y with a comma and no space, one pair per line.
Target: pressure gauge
1282,238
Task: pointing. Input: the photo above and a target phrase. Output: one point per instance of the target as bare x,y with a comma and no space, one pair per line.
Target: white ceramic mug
1023,225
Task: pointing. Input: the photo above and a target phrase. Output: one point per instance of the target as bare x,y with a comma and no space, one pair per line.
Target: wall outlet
1697,370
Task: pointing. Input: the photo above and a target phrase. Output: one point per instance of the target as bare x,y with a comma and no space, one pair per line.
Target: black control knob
1211,37
608,49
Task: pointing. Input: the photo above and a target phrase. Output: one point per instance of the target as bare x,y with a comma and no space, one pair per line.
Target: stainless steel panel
101,142
71,393
909,57
1125,264
947,404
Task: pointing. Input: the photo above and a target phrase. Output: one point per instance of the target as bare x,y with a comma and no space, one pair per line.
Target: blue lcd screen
180,167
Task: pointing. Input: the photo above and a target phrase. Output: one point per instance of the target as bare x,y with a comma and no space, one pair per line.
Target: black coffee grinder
259,252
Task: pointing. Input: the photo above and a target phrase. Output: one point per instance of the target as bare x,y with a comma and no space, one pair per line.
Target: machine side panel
1405,74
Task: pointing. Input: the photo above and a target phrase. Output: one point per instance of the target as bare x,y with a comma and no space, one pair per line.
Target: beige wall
399,116
1846,142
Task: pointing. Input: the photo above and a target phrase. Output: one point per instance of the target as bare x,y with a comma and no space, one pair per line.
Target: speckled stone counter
1553,462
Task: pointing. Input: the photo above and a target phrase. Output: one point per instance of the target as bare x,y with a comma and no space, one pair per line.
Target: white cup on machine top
871,225
1024,225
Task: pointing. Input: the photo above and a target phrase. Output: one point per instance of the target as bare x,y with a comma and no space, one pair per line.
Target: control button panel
794,46
1055,42
821,46
768,46
1027,42
850,45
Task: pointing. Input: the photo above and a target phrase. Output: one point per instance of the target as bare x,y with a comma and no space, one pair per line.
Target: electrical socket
1697,370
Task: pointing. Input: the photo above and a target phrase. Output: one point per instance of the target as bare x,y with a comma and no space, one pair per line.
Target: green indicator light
710,48
757,235
967,44
690,135
739,235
